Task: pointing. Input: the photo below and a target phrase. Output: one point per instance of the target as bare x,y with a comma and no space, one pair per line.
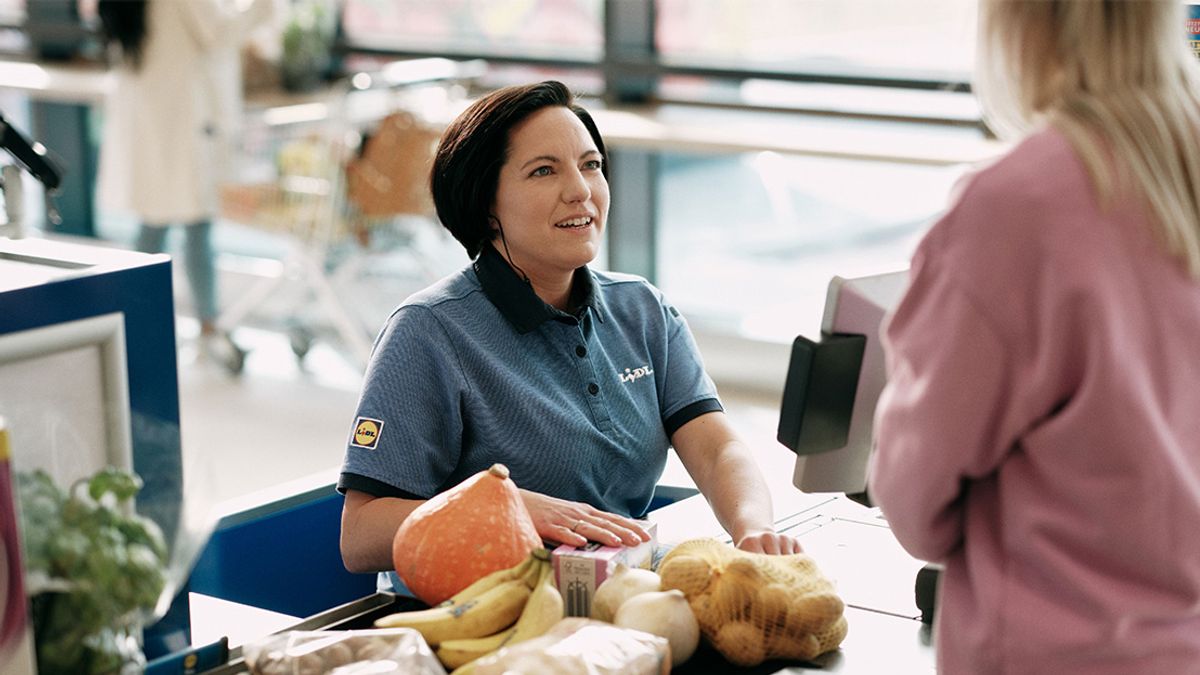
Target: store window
905,60
914,38
749,242
571,30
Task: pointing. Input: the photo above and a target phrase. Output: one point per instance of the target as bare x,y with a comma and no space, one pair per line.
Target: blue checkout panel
282,556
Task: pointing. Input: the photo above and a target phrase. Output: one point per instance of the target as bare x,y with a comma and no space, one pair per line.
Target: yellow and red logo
366,433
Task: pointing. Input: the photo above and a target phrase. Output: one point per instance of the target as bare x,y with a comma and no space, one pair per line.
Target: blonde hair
1117,78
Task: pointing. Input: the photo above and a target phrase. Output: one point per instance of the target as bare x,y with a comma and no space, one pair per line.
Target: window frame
632,69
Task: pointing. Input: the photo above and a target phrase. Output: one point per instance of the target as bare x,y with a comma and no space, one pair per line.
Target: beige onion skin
666,614
625,583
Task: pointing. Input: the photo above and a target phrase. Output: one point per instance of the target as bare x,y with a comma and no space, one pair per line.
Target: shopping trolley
331,181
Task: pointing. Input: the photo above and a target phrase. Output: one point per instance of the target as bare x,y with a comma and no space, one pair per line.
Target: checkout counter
854,547
850,542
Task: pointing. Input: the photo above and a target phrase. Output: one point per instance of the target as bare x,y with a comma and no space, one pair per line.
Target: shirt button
593,389
581,351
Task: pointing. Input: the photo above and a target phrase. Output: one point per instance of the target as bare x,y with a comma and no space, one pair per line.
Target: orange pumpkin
471,530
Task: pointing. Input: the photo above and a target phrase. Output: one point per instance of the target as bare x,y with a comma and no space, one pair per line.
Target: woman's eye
541,171
593,164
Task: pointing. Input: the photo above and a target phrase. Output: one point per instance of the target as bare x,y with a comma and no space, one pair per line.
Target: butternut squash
473,529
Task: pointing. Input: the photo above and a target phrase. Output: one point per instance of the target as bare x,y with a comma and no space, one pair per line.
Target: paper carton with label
580,571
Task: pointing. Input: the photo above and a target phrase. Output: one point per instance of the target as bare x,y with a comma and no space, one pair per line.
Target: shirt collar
517,302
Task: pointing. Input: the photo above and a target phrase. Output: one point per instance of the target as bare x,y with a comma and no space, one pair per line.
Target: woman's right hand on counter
576,523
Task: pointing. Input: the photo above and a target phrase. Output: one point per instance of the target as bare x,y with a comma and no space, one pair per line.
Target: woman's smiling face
551,197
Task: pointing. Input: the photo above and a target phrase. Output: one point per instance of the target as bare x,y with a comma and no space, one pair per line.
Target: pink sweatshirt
1040,431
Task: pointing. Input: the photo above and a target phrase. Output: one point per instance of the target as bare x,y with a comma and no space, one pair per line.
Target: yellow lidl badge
366,433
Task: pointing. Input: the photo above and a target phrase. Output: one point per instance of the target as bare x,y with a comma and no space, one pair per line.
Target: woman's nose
576,188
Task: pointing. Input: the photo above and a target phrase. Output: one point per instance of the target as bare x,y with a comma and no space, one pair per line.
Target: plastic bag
345,652
582,646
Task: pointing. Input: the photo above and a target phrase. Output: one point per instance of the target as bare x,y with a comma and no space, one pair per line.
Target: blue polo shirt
476,369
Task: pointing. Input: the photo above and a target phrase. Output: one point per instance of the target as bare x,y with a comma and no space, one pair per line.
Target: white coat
169,123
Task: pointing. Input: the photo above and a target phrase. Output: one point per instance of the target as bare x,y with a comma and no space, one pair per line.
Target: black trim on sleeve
688,413
375,488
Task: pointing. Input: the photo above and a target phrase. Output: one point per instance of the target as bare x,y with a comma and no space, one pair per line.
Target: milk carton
580,571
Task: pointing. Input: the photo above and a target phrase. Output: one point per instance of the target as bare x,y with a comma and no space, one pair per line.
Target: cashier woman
578,380
1040,432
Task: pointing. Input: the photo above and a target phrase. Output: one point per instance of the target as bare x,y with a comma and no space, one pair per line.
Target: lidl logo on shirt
632,374
366,433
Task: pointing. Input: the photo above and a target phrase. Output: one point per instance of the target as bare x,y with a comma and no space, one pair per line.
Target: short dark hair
466,168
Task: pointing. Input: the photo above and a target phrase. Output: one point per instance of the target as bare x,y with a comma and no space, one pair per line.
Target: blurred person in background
1040,431
168,125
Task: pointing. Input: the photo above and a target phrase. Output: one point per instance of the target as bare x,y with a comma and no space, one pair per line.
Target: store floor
284,421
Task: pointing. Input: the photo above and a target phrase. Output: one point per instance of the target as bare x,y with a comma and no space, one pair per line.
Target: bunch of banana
543,609
502,608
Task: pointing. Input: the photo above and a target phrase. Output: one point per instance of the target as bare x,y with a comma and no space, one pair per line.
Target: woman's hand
769,542
576,523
